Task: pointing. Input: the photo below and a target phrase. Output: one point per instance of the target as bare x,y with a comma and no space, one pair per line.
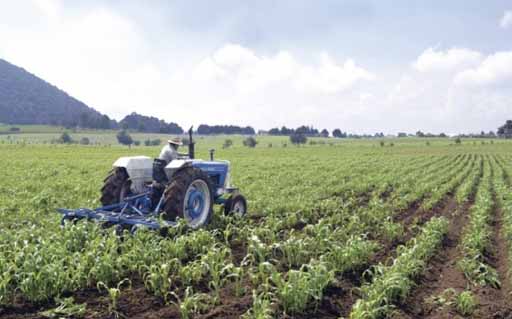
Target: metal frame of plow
132,212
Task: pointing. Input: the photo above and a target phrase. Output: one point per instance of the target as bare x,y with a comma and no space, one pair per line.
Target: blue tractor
141,191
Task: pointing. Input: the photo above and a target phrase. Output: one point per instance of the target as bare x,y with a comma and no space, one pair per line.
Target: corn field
350,230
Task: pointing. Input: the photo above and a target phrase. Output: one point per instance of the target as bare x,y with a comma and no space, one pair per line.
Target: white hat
175,141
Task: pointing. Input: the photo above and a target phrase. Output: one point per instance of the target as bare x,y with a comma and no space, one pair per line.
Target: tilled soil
443,273
340,298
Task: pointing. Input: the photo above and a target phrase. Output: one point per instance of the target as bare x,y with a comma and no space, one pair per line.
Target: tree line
205,129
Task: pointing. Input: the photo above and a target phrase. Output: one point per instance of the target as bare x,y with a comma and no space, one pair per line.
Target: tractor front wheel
116,186
236,205
189,196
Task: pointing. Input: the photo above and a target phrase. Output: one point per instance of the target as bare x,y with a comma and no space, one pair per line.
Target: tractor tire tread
176,190
113,183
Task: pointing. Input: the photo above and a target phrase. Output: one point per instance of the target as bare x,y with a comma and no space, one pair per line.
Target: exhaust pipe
191,144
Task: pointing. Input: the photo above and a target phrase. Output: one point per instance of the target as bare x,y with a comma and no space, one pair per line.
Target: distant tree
227,143
443,135
324,133
307,130
14,129
156,142
250,142
505,130
65,138
274,131
420,134
339,134
147,142
458,140
149,124
124,138
298,138
204,129
85,141
382,143
402,134
136,142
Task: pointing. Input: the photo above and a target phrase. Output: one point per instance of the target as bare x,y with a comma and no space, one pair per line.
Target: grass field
350,230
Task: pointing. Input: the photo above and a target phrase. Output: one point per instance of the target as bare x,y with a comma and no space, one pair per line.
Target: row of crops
330,233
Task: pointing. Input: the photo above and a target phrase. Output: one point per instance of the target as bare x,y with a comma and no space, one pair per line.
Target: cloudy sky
363,66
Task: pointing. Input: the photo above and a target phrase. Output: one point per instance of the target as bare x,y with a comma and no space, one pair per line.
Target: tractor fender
139,169
176,165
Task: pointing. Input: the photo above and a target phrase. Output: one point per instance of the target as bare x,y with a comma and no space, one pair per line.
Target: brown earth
339,298
443,273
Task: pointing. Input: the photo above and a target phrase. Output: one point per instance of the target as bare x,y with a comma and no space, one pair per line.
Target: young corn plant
5,287
392,283
261,307
159,278
237,275
192,304
352,254
465,303
261,275
113,293
301,287
296,251
214,264
191,274
477,236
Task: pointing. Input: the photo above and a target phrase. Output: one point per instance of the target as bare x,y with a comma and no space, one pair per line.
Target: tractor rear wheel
116,186
189,196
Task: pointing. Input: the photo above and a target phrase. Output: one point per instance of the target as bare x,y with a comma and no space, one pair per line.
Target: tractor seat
159,175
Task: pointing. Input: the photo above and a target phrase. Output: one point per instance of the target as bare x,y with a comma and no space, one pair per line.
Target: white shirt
168,153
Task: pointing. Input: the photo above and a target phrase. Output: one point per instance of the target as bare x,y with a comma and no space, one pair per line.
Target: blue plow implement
133,212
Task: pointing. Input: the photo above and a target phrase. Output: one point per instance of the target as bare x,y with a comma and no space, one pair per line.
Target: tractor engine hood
217,170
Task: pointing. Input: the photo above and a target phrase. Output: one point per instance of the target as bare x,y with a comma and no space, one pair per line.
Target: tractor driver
170,151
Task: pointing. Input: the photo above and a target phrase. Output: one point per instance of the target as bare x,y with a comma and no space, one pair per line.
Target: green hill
28,99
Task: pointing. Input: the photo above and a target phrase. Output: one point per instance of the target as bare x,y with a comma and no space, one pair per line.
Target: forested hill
150,124
27,99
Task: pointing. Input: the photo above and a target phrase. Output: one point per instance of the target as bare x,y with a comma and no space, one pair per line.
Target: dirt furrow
444,276
339,298
442,272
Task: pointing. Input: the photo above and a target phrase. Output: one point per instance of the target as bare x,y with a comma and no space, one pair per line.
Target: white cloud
247,71
330,77
113,64
432,60
506,20
494,69
50,8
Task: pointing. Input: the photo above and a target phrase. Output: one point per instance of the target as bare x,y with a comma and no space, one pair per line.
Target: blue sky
363,66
